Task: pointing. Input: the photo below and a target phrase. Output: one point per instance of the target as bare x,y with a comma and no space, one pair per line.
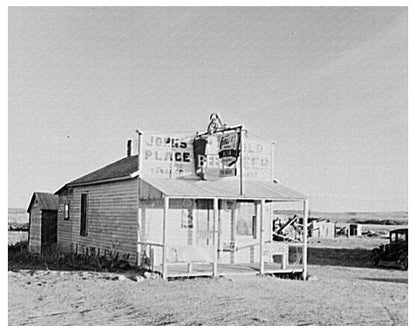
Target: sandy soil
335,295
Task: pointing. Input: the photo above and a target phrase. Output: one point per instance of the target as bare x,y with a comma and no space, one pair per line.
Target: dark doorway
49,229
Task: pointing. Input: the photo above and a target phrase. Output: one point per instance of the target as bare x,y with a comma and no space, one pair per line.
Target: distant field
375,228
18,216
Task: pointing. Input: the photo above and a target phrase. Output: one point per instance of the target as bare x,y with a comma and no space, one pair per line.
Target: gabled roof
120,169
46,201
224,188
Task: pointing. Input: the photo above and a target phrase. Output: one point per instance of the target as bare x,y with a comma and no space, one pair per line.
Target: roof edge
31,202
71,185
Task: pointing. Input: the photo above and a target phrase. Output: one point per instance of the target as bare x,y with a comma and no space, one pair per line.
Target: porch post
233,230
215,238
164,253
261,237
271,213
305,238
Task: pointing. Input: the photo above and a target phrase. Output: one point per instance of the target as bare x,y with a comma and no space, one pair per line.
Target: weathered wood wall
65,226
35,228
111,219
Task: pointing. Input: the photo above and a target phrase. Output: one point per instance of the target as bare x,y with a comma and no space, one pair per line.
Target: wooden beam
233,229
215,238
219,240
241,161
271,221
305,239
164,254
262,202
139,219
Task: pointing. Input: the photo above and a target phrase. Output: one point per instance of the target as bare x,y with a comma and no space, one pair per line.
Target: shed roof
46,201
224,188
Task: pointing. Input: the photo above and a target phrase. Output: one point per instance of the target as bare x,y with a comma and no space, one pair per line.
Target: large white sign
167,155
171,155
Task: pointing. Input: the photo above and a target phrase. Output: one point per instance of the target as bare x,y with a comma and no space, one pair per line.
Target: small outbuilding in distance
43,221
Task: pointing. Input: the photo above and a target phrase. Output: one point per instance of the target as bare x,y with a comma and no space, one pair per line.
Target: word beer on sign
209,156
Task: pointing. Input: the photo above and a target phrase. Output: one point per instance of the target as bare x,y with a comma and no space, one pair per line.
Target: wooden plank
35,229
241,161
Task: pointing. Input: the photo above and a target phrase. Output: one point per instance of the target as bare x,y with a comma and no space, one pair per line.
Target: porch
207,269
186,232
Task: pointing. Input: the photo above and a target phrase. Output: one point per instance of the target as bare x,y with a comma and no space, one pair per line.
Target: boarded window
66,211
83,230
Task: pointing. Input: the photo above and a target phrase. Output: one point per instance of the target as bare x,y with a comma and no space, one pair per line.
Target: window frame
66,211
83,231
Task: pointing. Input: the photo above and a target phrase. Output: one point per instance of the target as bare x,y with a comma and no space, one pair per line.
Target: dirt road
334,296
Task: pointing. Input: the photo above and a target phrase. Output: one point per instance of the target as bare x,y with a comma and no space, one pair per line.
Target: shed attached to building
43,209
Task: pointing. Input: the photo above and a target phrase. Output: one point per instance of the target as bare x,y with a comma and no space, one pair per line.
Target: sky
327,84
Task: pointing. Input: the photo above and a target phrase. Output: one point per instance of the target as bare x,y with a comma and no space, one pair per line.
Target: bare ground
335,295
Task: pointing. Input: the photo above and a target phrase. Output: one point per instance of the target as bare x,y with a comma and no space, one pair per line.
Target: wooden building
181,207
354,230
177,226
322,228
42,211
97,213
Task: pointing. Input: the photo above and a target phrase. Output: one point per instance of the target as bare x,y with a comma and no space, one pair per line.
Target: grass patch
19,257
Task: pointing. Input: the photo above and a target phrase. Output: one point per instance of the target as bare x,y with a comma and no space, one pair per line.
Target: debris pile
292,229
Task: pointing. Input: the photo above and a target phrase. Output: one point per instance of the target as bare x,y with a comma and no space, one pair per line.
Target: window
66,211
246,219
254,227
83,229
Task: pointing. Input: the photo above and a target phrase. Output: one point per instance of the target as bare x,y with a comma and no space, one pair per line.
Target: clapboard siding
111,218
65,226
35,229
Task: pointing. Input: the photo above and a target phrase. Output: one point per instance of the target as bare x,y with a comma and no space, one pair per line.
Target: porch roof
228,188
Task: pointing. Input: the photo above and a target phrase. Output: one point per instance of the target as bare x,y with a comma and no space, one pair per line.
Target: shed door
49,228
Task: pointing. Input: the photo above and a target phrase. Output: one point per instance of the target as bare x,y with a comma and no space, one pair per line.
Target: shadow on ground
394,280
357,257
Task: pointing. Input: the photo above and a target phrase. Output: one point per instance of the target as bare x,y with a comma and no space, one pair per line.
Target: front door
49,229
204,223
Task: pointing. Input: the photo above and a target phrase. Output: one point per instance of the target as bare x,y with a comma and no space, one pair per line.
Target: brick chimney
129,148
